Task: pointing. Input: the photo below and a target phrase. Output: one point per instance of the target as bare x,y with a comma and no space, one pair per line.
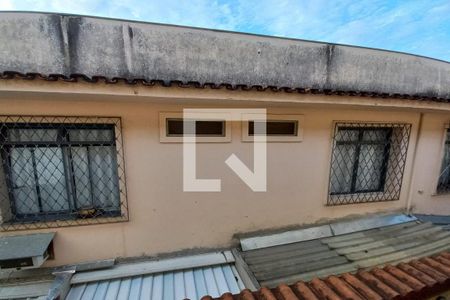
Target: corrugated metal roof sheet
418,279
440,220
345,253
37,289
188,283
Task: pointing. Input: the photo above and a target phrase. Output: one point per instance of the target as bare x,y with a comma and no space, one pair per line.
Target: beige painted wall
163,218
428,166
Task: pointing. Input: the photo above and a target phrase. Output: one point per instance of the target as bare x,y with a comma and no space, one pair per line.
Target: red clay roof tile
423,277
443,260
393,282
380,287
436,265
323,290
342,288
304,291
412,282
418,279
361,287
429,271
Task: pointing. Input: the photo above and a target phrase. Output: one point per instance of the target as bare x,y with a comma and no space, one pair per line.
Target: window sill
359,198
438,194
15,226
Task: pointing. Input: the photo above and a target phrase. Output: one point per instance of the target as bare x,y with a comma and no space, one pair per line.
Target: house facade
91,125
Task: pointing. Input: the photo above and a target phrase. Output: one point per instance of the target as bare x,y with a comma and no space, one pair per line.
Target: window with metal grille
367,162
60,169
444,176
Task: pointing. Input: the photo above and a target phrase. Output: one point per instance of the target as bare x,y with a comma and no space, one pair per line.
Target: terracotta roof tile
443,260
441,278
304,291
287,293
193,84
412,282
423,277
342,288
246,295
418,279
436,265
361,287
393,282
323,290
266,294
377,285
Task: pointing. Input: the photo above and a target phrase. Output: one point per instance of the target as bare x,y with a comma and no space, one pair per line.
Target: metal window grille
367,163
60,171
444,176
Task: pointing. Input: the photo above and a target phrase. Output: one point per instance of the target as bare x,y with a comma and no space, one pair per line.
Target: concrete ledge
163,265
323,231
68,45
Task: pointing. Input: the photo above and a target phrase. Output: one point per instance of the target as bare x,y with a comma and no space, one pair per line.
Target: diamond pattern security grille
61,171
367,163
444,176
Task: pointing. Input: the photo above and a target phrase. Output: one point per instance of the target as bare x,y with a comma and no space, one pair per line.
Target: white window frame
164,138
279,138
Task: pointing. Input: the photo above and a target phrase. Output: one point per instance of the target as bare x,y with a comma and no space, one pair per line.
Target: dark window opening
205,128
60,171
276,128
444,176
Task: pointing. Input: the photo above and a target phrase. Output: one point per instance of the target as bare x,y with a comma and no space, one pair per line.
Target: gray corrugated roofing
443,221
37,289
189,283
68,46
28,245
345,253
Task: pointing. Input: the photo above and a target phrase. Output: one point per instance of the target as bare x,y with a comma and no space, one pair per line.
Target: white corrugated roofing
175,285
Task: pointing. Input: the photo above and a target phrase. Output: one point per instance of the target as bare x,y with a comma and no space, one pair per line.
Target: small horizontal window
171,128
175,127
279,128
276,128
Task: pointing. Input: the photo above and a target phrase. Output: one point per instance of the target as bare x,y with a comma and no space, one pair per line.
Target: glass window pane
32,135
80,169
105,181
342,168
174,127
347,135
51,179
276,128
91,135
23,181
210,128
444,176
370,168
375,135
